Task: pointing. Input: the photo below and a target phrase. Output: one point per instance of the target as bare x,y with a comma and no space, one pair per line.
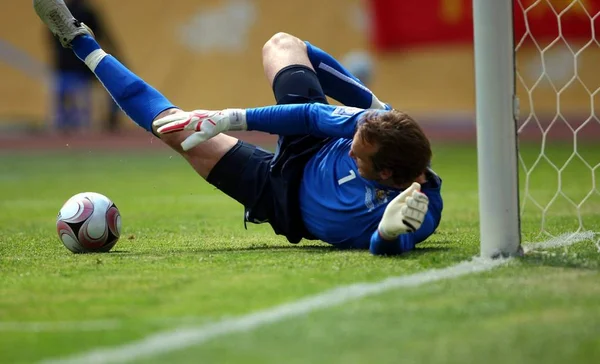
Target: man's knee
283,50
283,42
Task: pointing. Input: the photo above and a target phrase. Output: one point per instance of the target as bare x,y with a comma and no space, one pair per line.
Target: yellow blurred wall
436,81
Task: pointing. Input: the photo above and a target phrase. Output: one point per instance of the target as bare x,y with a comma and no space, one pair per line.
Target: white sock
94,58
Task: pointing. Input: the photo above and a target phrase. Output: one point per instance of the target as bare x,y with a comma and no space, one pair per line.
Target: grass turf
185,258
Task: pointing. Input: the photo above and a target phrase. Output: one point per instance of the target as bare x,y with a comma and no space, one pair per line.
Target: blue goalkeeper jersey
338,206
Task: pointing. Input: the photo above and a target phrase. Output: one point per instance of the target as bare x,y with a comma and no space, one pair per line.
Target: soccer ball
89,222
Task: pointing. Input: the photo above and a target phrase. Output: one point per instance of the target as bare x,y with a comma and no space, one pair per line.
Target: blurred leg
60,100
84,103
72,101
112,120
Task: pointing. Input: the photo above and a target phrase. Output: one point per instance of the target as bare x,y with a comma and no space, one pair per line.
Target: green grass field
185,260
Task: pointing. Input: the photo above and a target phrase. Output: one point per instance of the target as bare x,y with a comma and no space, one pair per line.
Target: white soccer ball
89,222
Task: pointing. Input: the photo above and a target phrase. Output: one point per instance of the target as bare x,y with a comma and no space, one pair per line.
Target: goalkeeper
354,176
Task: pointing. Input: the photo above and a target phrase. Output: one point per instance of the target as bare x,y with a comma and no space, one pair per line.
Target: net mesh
558,83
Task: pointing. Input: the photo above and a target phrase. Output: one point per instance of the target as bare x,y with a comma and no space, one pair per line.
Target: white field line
172,340
104,325
560,241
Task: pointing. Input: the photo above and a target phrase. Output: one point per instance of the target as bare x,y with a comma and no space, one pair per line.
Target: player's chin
365,174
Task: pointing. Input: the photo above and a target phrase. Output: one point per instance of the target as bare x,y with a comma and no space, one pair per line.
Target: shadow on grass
447,255
187,250
428,250
290,248
282,248
326,249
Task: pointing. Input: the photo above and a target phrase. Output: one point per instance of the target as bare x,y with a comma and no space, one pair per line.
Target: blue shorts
267,183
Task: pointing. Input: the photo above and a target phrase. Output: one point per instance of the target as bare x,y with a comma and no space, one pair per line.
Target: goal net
557,68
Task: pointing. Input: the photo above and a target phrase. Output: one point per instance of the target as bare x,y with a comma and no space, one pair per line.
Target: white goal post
546,52
496,107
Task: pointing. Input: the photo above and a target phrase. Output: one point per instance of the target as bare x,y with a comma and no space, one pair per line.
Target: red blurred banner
404,23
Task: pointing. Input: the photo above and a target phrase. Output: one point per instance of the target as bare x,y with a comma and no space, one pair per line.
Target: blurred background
416,55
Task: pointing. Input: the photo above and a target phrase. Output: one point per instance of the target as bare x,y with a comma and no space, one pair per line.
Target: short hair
402,146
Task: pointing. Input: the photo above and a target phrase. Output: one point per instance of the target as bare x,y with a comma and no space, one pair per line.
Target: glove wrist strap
237,119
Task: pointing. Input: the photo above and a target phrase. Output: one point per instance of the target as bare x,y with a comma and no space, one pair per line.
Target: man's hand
405,213
205,123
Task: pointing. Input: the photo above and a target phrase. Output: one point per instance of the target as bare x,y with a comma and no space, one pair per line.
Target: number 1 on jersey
348,178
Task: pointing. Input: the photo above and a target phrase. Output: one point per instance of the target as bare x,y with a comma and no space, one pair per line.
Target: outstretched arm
320,120
384,244
404,242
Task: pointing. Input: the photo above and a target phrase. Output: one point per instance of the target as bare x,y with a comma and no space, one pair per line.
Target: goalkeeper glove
405,213
205,123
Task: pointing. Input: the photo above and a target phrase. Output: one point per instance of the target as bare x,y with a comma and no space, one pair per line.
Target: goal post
496,106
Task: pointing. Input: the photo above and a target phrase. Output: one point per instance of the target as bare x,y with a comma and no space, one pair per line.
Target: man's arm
406,242
320,120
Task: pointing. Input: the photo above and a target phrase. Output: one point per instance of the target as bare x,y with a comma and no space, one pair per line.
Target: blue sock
140,101
337,82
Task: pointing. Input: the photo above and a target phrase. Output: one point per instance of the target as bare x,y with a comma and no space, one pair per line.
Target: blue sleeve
320,120
407,242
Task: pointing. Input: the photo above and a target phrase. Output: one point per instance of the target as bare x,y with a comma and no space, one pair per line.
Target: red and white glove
205,123
405,213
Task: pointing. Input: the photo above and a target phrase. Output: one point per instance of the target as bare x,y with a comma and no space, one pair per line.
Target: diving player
354,177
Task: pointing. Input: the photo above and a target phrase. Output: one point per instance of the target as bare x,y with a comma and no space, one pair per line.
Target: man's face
362,152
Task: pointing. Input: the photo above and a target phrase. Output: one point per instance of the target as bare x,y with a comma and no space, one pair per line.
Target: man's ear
385,174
